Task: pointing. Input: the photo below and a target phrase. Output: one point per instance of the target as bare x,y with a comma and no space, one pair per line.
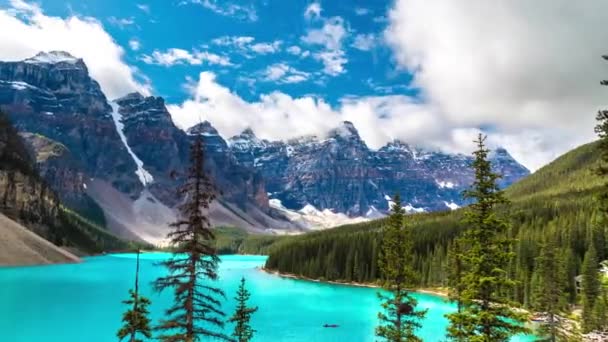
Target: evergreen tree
590,288
196,310
243,332
549,293
399,318
136,318
486,313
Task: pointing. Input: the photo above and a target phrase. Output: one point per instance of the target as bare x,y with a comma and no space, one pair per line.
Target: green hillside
557,200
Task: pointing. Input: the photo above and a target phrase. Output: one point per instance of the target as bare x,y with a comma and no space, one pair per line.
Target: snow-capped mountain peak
53,57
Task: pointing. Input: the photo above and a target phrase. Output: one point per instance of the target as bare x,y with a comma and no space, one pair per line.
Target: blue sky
430,73
273,34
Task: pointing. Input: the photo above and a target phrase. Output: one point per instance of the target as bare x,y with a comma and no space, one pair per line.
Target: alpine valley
117,162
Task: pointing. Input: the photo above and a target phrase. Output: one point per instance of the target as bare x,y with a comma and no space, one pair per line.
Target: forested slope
26,198
555,201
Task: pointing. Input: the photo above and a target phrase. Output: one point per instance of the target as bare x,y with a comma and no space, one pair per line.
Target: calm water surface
82,302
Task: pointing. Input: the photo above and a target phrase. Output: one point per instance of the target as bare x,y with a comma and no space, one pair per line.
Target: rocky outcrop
53,95
339,172
164,150
64,174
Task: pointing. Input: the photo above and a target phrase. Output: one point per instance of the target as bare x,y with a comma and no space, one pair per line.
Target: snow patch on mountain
445,184
312,218
52,57
144,176
409,208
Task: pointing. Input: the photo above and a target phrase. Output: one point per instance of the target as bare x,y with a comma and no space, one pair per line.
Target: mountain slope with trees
558,200
27,199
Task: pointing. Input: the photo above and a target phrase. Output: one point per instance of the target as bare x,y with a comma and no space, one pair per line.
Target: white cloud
179,56
527,69
361,11
144,8
266,48
239,41
330,36
313,11
294,50
379,119
121,22
228,9
245,45
283,73
134,44
364,42
280,116
26,30
333,61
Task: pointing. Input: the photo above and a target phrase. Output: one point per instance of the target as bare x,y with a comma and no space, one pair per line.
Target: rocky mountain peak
53,57
346,130
130,98
396,145
204,128
248,133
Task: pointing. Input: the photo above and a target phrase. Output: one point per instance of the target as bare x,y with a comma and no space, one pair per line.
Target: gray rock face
164,150
341,173
52,94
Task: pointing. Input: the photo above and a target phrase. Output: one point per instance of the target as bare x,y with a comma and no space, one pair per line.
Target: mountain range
118,162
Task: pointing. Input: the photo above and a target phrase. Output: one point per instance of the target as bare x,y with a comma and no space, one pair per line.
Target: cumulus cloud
524,68
266,48
27,30
283,73
180,56
277,115
144,8
330,37
294,50
134,44
364,42
313,11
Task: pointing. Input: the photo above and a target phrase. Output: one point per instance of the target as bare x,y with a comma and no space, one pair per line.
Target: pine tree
243,332
196,310
591,287
549,293
486,313
136,318
399,318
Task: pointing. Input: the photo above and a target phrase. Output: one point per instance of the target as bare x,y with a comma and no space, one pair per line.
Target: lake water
82,302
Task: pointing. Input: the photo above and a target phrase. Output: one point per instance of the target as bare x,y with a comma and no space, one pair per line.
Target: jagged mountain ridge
339,172
128,148
125,151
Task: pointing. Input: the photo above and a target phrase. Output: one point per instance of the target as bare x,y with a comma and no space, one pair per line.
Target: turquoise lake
82,302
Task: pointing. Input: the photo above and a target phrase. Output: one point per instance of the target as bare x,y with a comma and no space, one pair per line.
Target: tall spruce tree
549,293
399,317
243,332
196,310
486,313
591,288
136,321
